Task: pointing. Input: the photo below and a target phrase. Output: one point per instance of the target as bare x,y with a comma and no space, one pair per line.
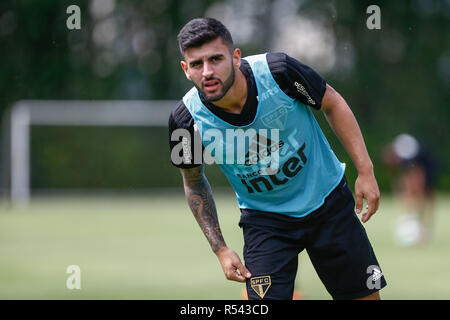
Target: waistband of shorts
272,219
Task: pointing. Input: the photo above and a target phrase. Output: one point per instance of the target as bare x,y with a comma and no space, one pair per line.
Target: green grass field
151,248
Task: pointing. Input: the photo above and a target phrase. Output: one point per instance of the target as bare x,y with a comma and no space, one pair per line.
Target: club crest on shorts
260,285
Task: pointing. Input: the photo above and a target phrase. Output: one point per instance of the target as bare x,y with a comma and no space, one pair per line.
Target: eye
195,64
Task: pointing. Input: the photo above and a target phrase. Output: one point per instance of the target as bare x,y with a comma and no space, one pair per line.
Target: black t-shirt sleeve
296,79
186,148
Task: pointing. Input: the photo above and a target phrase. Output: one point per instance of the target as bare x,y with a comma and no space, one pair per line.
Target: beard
225,85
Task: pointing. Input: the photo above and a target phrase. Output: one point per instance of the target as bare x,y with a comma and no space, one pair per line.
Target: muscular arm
200,199
341,119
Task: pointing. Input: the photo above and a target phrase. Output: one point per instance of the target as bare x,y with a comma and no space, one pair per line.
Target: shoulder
180,117
296,79
281,63
277,62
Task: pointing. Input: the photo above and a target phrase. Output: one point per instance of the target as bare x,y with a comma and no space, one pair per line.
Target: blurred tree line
396,79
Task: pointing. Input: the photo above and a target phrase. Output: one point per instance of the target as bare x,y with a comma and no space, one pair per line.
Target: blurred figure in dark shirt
416,167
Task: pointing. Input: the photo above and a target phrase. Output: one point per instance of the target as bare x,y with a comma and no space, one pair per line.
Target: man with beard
302,203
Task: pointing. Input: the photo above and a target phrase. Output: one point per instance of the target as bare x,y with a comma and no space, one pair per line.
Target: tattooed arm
200,199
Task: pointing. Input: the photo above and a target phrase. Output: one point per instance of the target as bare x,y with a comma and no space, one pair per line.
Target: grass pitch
152,248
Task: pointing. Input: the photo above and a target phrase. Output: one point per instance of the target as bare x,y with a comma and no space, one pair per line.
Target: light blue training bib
306,170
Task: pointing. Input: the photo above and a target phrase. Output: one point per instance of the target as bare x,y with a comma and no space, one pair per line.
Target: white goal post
24,114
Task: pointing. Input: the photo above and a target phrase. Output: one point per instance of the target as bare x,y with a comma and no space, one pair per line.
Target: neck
236,97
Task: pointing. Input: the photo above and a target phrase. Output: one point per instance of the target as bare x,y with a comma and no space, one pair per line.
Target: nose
207,70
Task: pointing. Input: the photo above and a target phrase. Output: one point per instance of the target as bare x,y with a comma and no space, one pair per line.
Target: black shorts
334,238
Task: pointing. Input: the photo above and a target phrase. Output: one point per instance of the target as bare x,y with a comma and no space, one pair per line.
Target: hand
366,187
231,264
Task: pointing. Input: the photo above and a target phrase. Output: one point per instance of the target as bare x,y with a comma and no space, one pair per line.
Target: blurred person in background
416,168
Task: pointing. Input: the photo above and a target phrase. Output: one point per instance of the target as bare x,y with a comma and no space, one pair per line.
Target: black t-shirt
297,80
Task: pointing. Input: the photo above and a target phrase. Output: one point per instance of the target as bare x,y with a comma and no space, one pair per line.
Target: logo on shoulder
303,91
261,285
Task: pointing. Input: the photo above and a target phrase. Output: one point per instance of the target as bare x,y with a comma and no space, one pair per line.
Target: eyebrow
219,55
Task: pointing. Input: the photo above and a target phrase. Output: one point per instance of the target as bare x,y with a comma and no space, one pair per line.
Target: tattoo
200,199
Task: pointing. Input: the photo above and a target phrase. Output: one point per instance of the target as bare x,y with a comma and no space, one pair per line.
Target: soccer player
417,167
290,186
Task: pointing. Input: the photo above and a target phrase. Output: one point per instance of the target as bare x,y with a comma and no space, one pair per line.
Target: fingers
232,266
237,272
233,275
244,271
359,202
366,188
372,206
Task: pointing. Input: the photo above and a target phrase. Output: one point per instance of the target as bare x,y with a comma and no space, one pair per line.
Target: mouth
211,85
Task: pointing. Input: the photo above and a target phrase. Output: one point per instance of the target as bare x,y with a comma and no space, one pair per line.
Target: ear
184,66
237,58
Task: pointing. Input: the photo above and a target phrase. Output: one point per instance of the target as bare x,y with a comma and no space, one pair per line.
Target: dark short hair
199,31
